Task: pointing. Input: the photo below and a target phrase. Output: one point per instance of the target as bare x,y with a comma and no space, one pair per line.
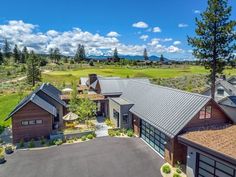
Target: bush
8,149
111,133
166,169
109,123
1,150
178,170
117,132
31,143
70,141
176,175
58,142
21,143
42,141
51,143
90,136
130,133
83,138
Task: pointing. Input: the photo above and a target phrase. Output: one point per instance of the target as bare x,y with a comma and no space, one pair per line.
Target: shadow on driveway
101,157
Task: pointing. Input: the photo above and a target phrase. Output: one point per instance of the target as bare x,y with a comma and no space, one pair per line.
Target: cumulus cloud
25,34
113,34
182,25
176,43
156,29
140,24
144,37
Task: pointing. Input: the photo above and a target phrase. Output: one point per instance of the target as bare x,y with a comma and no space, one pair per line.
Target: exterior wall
57,105
136,124
113,105
218,116
31,112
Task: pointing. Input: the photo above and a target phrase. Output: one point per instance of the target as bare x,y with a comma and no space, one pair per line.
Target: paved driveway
102,157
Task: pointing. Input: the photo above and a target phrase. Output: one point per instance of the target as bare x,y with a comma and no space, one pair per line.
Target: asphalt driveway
101,157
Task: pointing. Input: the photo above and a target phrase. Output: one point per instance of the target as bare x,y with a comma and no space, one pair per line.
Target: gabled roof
116,86
36,100
167,109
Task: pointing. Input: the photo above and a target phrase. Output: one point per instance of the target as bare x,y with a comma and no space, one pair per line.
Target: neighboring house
39,114
225,95
163,116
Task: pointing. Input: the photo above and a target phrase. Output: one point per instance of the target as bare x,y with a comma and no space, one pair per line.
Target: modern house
39,114
169,120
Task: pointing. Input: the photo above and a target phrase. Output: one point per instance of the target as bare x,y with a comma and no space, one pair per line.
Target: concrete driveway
101,157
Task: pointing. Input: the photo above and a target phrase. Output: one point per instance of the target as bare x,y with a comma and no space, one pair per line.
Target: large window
208,167
31,122
115,114
205,112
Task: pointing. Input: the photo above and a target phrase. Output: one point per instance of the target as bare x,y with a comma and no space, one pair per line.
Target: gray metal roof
167,109
120,101
115,86
36,100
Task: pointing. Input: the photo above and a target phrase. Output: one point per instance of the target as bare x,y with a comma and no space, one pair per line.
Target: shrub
111,133
31,143
1,141
42,141
83,138
8,149
117,132
166,169
130,133
58,142
75,138
69,141
90,136
1,150
109,123
51,143
21,143
178,170
176,175
94,134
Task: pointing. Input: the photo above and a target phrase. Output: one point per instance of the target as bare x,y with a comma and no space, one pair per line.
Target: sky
161,26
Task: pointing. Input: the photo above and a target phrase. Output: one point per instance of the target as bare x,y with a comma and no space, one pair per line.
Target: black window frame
31,124
125,118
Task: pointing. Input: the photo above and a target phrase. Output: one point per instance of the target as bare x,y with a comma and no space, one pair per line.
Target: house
39,114
165,118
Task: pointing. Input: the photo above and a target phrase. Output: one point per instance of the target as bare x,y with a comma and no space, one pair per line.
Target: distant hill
129,57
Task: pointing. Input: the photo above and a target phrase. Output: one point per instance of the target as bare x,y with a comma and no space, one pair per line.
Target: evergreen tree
56,55
115,56
7,49
24,55
215,40
51,54
33,70
1,57
80,54
162,58
16,54
145,55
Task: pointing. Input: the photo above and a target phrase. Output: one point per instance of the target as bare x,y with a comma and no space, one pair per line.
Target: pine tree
115,55
215,40
1,57
57,55
80,54
7,49
24,55
162,58
33,70
51,54
145,55
16,54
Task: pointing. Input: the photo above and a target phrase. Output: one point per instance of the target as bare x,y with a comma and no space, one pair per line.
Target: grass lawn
7,103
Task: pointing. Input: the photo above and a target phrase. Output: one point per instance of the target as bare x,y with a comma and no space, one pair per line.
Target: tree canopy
145,54
80,54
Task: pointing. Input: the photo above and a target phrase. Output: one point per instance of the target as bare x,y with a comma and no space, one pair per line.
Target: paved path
101,127
101,157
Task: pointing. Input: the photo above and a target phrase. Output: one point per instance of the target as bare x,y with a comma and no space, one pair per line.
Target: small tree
115,55
1,57
16,54
57,55
24,55
162,58
7,49
33,70
86,110
215,41
74,101
145,55
80,54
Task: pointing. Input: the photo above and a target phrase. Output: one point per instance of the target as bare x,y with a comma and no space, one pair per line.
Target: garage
208,167
153,137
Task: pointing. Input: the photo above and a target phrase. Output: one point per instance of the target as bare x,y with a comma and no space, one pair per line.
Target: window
125,118
39,121
115,114
220,91
31,122
205,112
24,122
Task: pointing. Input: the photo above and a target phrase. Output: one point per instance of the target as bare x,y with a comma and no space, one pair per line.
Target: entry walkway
101,127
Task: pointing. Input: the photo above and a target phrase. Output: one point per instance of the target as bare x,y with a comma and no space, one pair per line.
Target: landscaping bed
168,171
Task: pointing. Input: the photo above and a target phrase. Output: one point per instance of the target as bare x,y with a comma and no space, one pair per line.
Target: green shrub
75,138
70,141
109,123
94,134
117,132
111,133
1,141
8,148
166,169
178,170
130,133
83,138
1,150
90,136
58,142
31,143
51,143
21,143
42,141
176,175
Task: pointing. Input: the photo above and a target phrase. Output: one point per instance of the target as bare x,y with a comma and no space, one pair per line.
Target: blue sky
130,25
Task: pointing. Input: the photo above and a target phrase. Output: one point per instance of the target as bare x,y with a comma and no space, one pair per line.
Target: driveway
101,157
101,127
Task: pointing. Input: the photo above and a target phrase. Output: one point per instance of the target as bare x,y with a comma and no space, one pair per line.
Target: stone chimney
92,78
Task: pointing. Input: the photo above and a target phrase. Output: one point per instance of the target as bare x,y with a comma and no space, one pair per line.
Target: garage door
153,137
208,167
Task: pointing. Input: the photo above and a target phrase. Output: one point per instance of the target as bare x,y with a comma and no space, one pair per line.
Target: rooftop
121,101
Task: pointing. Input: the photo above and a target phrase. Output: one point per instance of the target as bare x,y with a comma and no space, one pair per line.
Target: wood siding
31,111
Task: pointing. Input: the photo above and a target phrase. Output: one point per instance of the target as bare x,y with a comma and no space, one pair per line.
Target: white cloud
182,25
113,34
25,34
176,43
197,11
156,29
140,25
144,37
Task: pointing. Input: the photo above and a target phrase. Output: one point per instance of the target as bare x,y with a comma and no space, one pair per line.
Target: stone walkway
101,127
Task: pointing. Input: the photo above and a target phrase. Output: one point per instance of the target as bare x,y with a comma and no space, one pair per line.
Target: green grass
7,103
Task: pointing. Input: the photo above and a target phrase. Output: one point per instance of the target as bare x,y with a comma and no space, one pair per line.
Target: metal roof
36,100
115,86
120,101
83,80
167,109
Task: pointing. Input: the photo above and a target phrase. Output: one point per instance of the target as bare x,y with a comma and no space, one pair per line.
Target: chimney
92,78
